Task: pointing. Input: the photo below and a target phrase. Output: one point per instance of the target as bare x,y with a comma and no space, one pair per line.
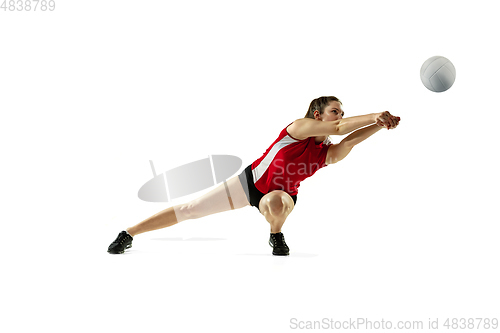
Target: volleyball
437,74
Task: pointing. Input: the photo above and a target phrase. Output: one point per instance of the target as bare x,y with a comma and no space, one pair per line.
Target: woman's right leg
229,195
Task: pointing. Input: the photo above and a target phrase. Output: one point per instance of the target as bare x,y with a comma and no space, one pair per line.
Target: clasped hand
385,119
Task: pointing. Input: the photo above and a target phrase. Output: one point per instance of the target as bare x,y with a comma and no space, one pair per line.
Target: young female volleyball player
271,182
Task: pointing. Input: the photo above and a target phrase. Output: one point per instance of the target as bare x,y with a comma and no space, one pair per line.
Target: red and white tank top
287,162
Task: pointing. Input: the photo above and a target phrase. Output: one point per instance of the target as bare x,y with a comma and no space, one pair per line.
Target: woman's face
332,112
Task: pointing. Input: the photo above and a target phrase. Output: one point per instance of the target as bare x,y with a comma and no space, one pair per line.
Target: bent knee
279,205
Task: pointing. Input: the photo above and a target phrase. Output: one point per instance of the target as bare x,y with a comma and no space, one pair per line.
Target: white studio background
405,228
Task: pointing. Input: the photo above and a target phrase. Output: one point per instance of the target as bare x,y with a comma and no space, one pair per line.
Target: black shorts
253,194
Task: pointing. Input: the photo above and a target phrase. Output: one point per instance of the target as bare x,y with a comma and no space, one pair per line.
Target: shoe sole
277,254
120,252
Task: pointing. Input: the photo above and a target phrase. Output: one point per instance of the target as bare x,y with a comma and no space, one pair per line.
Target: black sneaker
277,241
121,243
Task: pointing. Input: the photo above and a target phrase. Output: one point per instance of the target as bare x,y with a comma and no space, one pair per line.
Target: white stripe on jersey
266,161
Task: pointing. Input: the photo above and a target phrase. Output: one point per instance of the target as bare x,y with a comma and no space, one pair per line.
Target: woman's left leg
227,196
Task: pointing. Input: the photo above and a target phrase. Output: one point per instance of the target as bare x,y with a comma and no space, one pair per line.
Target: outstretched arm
339,151
350,124
360,135
389,122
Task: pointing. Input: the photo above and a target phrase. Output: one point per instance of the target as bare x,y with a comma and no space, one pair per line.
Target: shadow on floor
196,239
294,254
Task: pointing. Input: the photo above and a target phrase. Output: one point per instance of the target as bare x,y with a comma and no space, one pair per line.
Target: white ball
437,74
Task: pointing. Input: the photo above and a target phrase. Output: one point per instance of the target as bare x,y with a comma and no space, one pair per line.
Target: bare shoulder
294,128
304,128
